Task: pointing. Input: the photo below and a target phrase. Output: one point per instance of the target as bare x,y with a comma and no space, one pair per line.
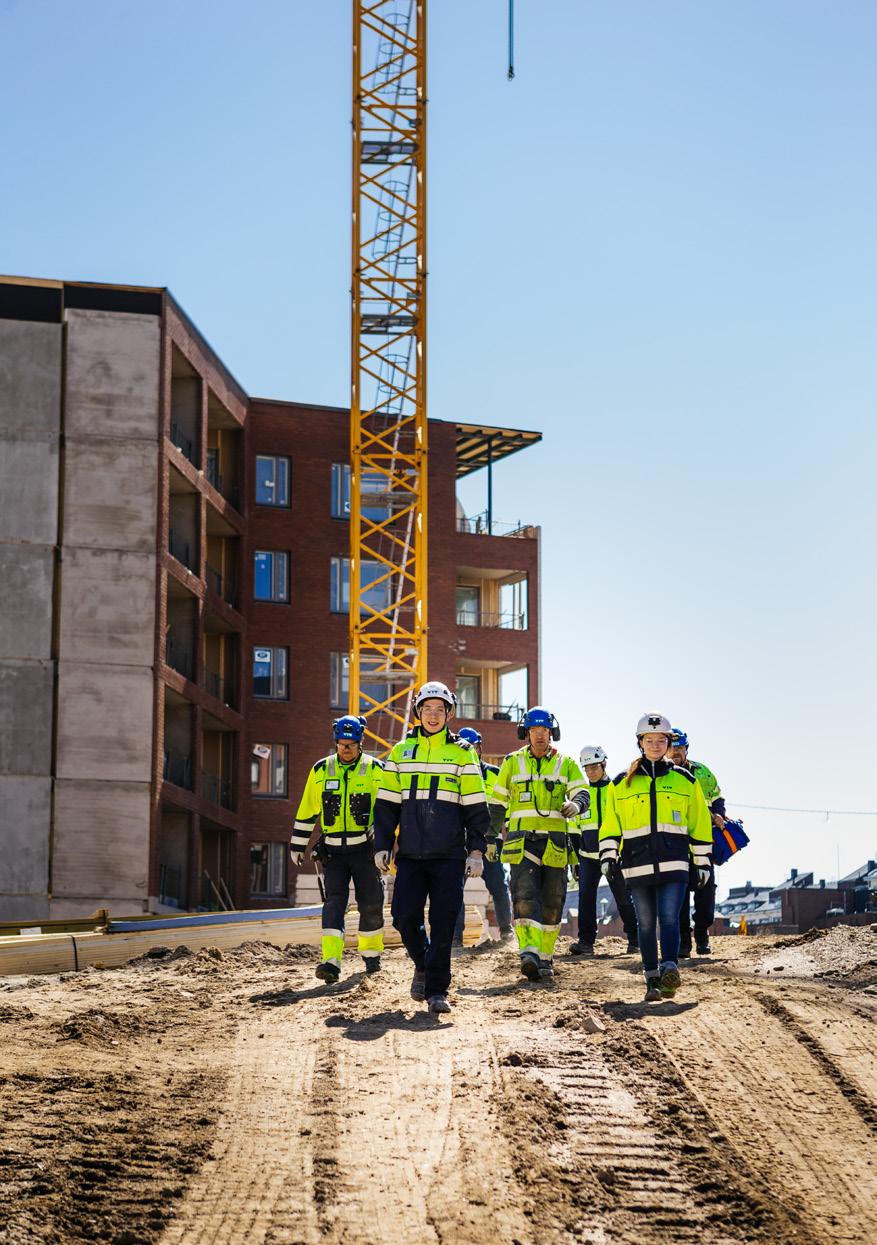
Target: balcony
229,491
217,790
181,549
220,686
182,442
506,620
178,768
488,713
180,657
482,525
222,586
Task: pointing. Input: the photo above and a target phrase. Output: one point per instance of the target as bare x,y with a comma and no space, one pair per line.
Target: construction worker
655,820
704,896
593,763
494,870
433,792
340,794
537,790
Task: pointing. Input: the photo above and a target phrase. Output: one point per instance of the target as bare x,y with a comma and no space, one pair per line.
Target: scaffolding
388,429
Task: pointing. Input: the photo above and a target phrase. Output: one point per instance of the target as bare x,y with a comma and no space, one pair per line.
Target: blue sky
656,246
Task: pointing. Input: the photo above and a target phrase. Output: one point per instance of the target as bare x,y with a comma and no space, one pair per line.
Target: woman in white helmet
593,761
656,820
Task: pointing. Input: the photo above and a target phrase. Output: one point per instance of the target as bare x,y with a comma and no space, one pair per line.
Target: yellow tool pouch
512,851
556,852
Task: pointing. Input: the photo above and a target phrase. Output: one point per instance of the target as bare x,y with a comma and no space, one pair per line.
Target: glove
609,868
703,876
491,852
474,865
297,857
382,862
569,808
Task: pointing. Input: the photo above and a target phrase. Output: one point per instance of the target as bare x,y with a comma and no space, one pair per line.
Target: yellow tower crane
388,428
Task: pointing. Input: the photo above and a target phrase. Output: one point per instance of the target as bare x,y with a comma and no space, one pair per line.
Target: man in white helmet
432,790
593,761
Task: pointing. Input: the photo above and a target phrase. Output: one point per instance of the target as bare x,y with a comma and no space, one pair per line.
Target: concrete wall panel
24,860
25,717
27,576
101,842
24,908
110,495
112,374
107,607
29,489
104,722
30,379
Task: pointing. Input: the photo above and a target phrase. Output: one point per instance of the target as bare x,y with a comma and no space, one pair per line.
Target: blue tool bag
729,841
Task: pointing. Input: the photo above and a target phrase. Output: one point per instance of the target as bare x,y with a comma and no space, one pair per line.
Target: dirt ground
233,1098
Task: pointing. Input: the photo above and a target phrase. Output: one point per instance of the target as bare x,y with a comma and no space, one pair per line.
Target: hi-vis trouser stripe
332,946
370,943
536,939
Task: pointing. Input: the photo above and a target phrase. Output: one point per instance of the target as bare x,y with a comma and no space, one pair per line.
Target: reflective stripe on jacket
432,788
589,823
341,798
533,789
658,821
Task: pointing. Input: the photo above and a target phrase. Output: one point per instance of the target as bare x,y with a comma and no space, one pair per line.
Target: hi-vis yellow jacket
658,822
532,791
432,788
341,798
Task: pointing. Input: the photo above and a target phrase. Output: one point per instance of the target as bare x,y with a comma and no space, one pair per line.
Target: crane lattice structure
388,432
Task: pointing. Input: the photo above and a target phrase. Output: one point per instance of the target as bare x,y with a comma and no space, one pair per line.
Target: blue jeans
494,880
441,883
659,905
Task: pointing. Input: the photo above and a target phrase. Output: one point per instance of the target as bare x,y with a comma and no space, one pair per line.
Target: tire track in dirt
787,1122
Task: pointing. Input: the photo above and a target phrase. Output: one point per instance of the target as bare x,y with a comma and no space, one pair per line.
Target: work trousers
589,880
704,913
654,906
538,892
356,864
440,882
498,887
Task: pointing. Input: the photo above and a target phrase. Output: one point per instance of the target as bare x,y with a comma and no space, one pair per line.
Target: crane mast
388,428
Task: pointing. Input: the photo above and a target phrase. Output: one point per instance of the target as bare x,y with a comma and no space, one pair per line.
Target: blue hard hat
537,716
348,727
678,739
470,735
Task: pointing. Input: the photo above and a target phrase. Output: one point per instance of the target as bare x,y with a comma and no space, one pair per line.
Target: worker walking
593,761
494,870
655,821
537,790
704,896
432,790
339,795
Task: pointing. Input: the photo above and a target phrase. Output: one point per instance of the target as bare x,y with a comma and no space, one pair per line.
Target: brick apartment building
173,644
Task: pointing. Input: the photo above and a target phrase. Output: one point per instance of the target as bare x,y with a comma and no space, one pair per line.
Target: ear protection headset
539,717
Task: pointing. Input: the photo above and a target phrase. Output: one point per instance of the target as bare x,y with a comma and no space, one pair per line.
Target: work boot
670,981
546,970
530,966
418,986
653,992
438,1004
328,972
685,951
632,947
582,948
703,947
507,935
373,964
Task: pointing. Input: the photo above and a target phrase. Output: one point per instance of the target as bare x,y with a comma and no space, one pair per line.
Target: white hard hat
593,755
435,691
653,722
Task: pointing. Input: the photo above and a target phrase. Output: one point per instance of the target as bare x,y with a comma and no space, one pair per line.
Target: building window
268,868
269,673
468,696
268,770
372,483
378,596
271,576
272,480
370,687
468,606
